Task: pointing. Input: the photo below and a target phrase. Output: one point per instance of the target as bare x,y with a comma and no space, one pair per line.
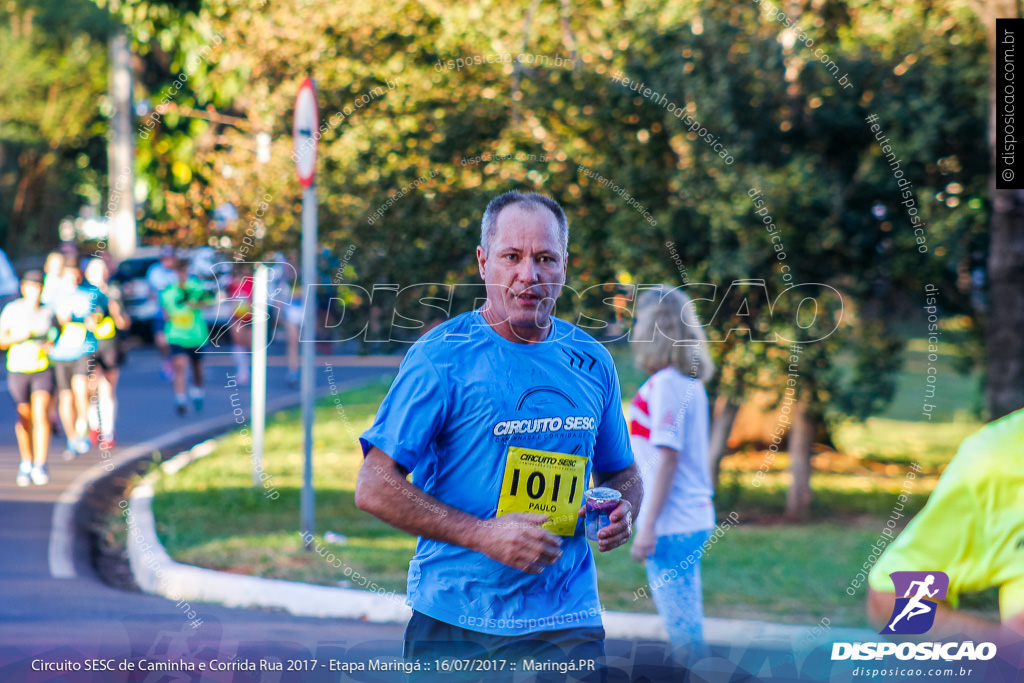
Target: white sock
195,392
94,415
107,409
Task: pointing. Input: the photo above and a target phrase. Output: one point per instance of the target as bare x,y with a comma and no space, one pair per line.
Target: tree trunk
801,438
1004,333
721,425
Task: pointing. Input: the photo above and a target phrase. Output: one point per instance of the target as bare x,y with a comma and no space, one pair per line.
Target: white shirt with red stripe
671,410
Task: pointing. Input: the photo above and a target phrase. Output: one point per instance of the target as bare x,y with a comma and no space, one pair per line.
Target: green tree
794,125
52,155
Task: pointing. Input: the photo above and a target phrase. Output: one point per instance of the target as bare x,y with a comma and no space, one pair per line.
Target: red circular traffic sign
305,132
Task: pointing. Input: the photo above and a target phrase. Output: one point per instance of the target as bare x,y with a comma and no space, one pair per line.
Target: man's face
525,269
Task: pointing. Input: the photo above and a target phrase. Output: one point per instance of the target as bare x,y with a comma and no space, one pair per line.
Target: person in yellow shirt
27,330
972,529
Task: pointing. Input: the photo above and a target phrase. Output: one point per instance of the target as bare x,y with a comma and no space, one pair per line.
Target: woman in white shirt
668,427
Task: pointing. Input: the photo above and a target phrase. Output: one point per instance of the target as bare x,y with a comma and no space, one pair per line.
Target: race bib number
73,334
27,357
542,482
106,328
181,318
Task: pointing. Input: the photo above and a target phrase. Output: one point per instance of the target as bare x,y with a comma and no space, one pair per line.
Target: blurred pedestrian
73,351
240,324
53,278
293,326
53,285
668,427
186,331
160,276
27,329
109,351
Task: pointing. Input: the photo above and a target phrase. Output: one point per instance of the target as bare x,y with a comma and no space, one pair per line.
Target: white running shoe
24,473
40,477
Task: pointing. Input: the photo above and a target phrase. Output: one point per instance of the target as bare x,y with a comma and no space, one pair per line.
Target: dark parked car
130,276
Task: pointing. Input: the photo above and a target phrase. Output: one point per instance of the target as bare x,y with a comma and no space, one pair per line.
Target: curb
62,522
155,571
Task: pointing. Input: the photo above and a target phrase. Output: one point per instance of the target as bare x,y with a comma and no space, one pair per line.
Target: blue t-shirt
75,339
464,397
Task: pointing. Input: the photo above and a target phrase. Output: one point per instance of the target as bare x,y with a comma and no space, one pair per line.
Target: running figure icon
915,606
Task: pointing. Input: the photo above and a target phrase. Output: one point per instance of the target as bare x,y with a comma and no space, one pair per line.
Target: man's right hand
519,541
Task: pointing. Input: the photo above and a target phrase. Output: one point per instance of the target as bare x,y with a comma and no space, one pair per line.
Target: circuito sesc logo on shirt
914,613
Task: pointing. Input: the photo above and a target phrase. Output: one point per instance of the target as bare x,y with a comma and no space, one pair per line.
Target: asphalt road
82,618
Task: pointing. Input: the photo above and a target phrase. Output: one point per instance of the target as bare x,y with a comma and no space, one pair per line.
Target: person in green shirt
27,331
186,331
972,529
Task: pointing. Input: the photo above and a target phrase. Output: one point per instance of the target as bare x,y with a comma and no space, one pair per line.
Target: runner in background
293,327
109,352
186,330
160,276
73,355
53,285
27,329
53,279
240,325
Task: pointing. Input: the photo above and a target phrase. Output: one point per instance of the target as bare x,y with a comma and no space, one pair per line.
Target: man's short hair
530,200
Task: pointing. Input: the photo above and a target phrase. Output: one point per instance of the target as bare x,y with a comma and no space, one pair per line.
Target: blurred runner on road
160,276
75,307
109,352
27,330
186,330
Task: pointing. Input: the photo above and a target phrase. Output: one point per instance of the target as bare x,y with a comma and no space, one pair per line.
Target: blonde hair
666,332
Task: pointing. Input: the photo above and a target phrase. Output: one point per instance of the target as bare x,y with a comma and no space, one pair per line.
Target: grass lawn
209,514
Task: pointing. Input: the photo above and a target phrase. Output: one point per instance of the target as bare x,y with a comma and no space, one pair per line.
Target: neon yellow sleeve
944,536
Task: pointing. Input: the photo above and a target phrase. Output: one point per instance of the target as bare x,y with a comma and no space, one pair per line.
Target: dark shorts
109,355
22,385
185,351
581,650
64,370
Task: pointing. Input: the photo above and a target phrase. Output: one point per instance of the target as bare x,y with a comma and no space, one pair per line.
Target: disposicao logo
914,613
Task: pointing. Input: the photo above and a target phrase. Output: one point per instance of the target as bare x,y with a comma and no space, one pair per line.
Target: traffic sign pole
309,230
305,132
259,369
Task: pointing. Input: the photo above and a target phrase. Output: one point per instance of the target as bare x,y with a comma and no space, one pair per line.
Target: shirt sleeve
6,318
670,405
412,414
167,300
945,536
612,451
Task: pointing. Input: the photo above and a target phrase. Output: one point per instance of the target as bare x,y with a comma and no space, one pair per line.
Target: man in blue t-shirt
503,415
